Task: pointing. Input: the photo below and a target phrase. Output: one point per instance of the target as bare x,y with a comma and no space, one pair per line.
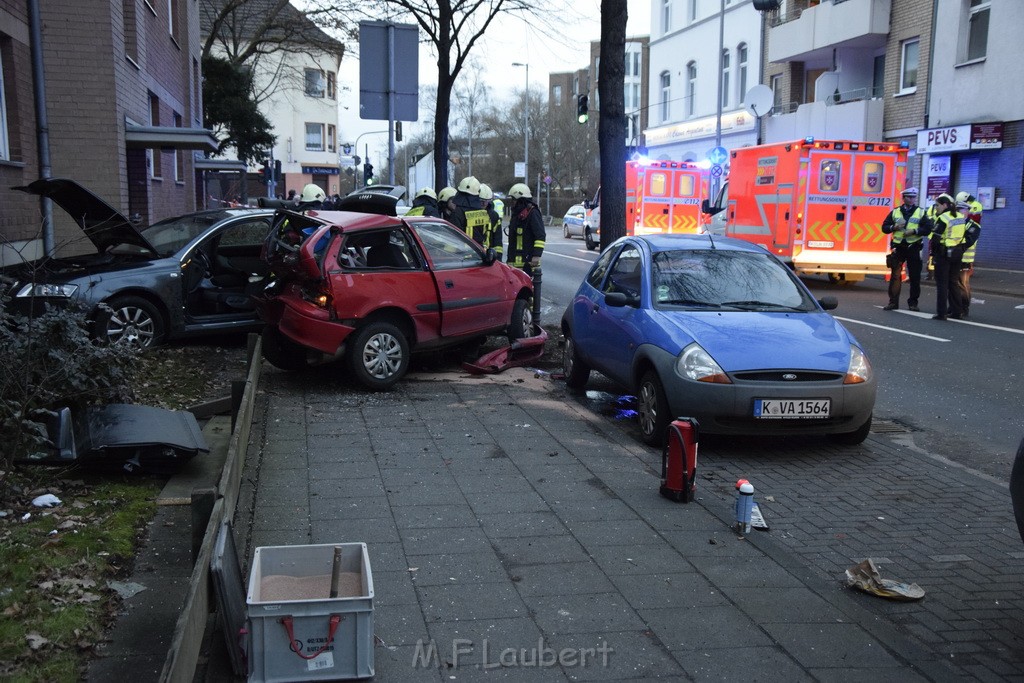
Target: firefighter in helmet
492,237
444,202
467,215
425,204
526,233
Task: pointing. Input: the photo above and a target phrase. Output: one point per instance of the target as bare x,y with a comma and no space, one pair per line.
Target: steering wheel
202,262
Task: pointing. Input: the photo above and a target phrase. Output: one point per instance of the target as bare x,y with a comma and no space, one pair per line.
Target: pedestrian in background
526,232
947,247
908,225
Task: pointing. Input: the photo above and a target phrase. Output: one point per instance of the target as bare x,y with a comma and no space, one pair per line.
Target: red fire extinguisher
679,461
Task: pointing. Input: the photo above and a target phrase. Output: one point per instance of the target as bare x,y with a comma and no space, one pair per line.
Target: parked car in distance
572,221
180,277
371,289
719,330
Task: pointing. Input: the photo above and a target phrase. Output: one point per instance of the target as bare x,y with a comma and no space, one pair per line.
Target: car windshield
170,235
733,280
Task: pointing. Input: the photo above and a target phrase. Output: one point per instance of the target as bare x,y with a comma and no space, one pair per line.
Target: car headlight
44,290
860,369
697,364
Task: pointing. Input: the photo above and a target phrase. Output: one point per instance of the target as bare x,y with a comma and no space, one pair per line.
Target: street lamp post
526,123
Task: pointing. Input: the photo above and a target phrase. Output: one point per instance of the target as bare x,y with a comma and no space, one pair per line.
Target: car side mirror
620,299
490,256
586,203
829,303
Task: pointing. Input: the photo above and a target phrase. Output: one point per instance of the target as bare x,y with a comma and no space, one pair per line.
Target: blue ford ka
719,330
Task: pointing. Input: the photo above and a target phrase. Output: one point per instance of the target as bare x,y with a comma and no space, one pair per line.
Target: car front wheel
521,325
855,437
565,230
652,405
589,237
130,320
576,371
378,356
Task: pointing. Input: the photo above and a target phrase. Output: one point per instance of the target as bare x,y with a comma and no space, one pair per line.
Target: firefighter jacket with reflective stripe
424,206
493,238
526,234
468,217
905,225
972,231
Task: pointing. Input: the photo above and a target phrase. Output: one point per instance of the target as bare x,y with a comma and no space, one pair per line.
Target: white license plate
789,409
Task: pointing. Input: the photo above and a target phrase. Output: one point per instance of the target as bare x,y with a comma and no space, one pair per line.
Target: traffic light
265,172
368,174
582,111
277,170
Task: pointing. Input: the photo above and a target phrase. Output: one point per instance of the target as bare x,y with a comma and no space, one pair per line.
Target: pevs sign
960,138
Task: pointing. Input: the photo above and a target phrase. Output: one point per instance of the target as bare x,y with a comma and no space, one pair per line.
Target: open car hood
102,224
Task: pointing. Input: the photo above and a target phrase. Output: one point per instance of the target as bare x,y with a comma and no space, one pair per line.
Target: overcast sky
507,40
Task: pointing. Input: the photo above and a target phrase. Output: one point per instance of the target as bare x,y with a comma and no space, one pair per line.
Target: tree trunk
611,131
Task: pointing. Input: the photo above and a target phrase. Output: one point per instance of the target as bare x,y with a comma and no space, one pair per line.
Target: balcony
855,119
810,34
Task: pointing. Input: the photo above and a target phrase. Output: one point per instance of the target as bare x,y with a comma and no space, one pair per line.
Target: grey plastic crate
349,655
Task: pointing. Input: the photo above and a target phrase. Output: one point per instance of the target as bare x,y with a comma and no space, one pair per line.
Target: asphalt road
949,388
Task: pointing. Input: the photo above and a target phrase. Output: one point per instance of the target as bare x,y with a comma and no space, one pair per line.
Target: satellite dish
759,100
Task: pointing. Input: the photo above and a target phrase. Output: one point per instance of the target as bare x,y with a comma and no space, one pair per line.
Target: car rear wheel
130,320
565,230
378,355
855,437
576,371
282,352
589,237
521,325
652,405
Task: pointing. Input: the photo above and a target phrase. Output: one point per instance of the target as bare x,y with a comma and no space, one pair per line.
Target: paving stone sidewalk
502,515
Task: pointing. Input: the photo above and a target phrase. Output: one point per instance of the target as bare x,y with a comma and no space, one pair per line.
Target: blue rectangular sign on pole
388,71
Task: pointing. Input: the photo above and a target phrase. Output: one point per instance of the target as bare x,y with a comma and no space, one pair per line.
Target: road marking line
891,329
574,258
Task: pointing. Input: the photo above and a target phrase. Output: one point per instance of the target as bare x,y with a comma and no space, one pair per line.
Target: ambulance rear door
687,195
656,189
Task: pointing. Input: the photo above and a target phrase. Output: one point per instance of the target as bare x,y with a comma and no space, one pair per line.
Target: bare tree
611,131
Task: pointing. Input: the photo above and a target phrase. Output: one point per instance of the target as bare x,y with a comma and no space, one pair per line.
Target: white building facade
684,66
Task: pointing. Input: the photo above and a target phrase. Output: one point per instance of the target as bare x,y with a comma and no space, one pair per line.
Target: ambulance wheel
576,371
652,406
521,325
282,352
855,437
378,356
589,237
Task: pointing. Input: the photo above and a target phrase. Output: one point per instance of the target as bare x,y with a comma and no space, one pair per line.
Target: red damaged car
371,289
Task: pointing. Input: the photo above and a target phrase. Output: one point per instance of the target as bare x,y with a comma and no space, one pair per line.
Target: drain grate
891,427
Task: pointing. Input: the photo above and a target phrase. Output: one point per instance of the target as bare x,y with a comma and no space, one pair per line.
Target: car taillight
320,296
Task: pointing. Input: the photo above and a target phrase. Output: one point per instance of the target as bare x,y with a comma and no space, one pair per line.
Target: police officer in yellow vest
425,204
947,247
492,238
467,215
908,226
972,231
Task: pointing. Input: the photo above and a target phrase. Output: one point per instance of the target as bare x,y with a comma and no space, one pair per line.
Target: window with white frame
691,88
5,149
977,30
632,128
173,18
726,72
332,136
314,137
666,95
741,72
776,86
908,65
316,83
666,16
332,90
